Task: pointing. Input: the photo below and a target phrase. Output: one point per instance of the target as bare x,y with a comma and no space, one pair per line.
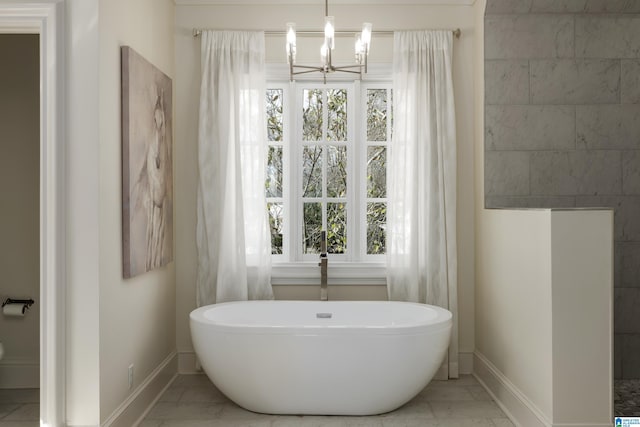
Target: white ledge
339,273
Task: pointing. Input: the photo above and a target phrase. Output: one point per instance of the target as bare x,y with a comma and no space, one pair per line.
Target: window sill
339,273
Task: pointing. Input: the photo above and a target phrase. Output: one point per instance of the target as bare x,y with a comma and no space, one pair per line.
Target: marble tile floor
192,401
20,407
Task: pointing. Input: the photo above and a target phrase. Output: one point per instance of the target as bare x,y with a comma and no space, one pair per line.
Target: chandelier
362,44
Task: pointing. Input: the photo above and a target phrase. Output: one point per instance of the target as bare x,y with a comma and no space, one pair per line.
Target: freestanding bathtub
322,358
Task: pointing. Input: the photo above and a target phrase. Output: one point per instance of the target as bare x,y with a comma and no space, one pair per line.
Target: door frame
46,18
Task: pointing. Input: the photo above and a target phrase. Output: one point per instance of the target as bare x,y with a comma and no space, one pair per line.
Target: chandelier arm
346,71
344,67
317,69
310,67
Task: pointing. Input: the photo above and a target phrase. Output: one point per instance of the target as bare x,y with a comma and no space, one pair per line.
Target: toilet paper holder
26,303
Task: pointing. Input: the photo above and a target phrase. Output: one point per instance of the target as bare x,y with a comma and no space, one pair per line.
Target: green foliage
337,228
376,114
312,171
337,171
337,115
273,183
312,227
274,179
276,227
312,115
376,228
327,155
274,115
377,171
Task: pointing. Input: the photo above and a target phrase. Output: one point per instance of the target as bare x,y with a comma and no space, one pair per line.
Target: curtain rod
198,31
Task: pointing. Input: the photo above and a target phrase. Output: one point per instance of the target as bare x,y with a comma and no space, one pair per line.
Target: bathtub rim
442,321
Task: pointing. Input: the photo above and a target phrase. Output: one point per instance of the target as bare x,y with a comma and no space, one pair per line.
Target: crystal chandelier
362,45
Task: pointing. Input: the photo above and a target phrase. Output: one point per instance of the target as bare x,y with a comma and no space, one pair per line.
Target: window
275,167
327,169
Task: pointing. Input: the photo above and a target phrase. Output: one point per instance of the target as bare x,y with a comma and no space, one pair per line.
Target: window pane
376,171
312,226
376,114
273,184
337,228
276,217
312,171
312,115
274,114
376,225
336,171
337,115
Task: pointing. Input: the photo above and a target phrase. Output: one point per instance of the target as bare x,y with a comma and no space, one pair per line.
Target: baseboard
514,403
135,407
511,400
19,373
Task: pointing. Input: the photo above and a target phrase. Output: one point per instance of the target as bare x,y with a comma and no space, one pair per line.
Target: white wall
582,313
513,299
82,309
111,322
19,186
274,17
543,301
544,318
137,316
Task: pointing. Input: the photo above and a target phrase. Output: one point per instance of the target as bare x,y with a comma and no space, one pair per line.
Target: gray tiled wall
562,125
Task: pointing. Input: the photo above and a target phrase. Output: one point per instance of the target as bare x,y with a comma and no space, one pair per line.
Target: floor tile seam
184,390
476,399
4,417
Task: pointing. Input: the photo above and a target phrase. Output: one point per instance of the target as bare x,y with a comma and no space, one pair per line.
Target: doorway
44,18
20,225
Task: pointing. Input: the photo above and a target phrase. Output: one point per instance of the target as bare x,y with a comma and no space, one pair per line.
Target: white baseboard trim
511,400
514,403
133,410
19,373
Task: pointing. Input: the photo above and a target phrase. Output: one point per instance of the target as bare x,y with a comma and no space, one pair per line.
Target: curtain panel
233,239
421,223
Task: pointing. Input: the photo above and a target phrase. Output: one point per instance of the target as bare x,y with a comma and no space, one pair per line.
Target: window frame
363,140
296,150
292,267
286,255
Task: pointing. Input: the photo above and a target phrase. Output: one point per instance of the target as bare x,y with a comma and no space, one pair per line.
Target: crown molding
333,2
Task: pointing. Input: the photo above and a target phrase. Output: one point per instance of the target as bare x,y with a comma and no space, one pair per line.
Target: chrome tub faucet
323,264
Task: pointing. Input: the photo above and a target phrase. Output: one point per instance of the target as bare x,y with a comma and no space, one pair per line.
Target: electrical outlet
130,375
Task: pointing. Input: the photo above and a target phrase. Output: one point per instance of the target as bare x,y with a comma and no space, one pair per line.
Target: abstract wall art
147,176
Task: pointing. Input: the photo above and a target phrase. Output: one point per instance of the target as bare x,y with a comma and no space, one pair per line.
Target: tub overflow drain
324,315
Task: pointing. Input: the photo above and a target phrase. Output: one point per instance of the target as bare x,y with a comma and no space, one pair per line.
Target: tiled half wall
562,125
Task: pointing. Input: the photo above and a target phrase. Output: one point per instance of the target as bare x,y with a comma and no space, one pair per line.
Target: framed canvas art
147,176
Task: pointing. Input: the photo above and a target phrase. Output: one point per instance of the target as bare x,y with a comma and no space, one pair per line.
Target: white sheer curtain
421,227
233,238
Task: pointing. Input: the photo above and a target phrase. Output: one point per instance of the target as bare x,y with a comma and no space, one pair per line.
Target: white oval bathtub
321,358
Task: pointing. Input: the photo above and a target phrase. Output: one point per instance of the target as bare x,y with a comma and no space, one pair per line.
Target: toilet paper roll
13,310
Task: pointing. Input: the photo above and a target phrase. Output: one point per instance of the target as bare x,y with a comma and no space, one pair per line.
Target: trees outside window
326,169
